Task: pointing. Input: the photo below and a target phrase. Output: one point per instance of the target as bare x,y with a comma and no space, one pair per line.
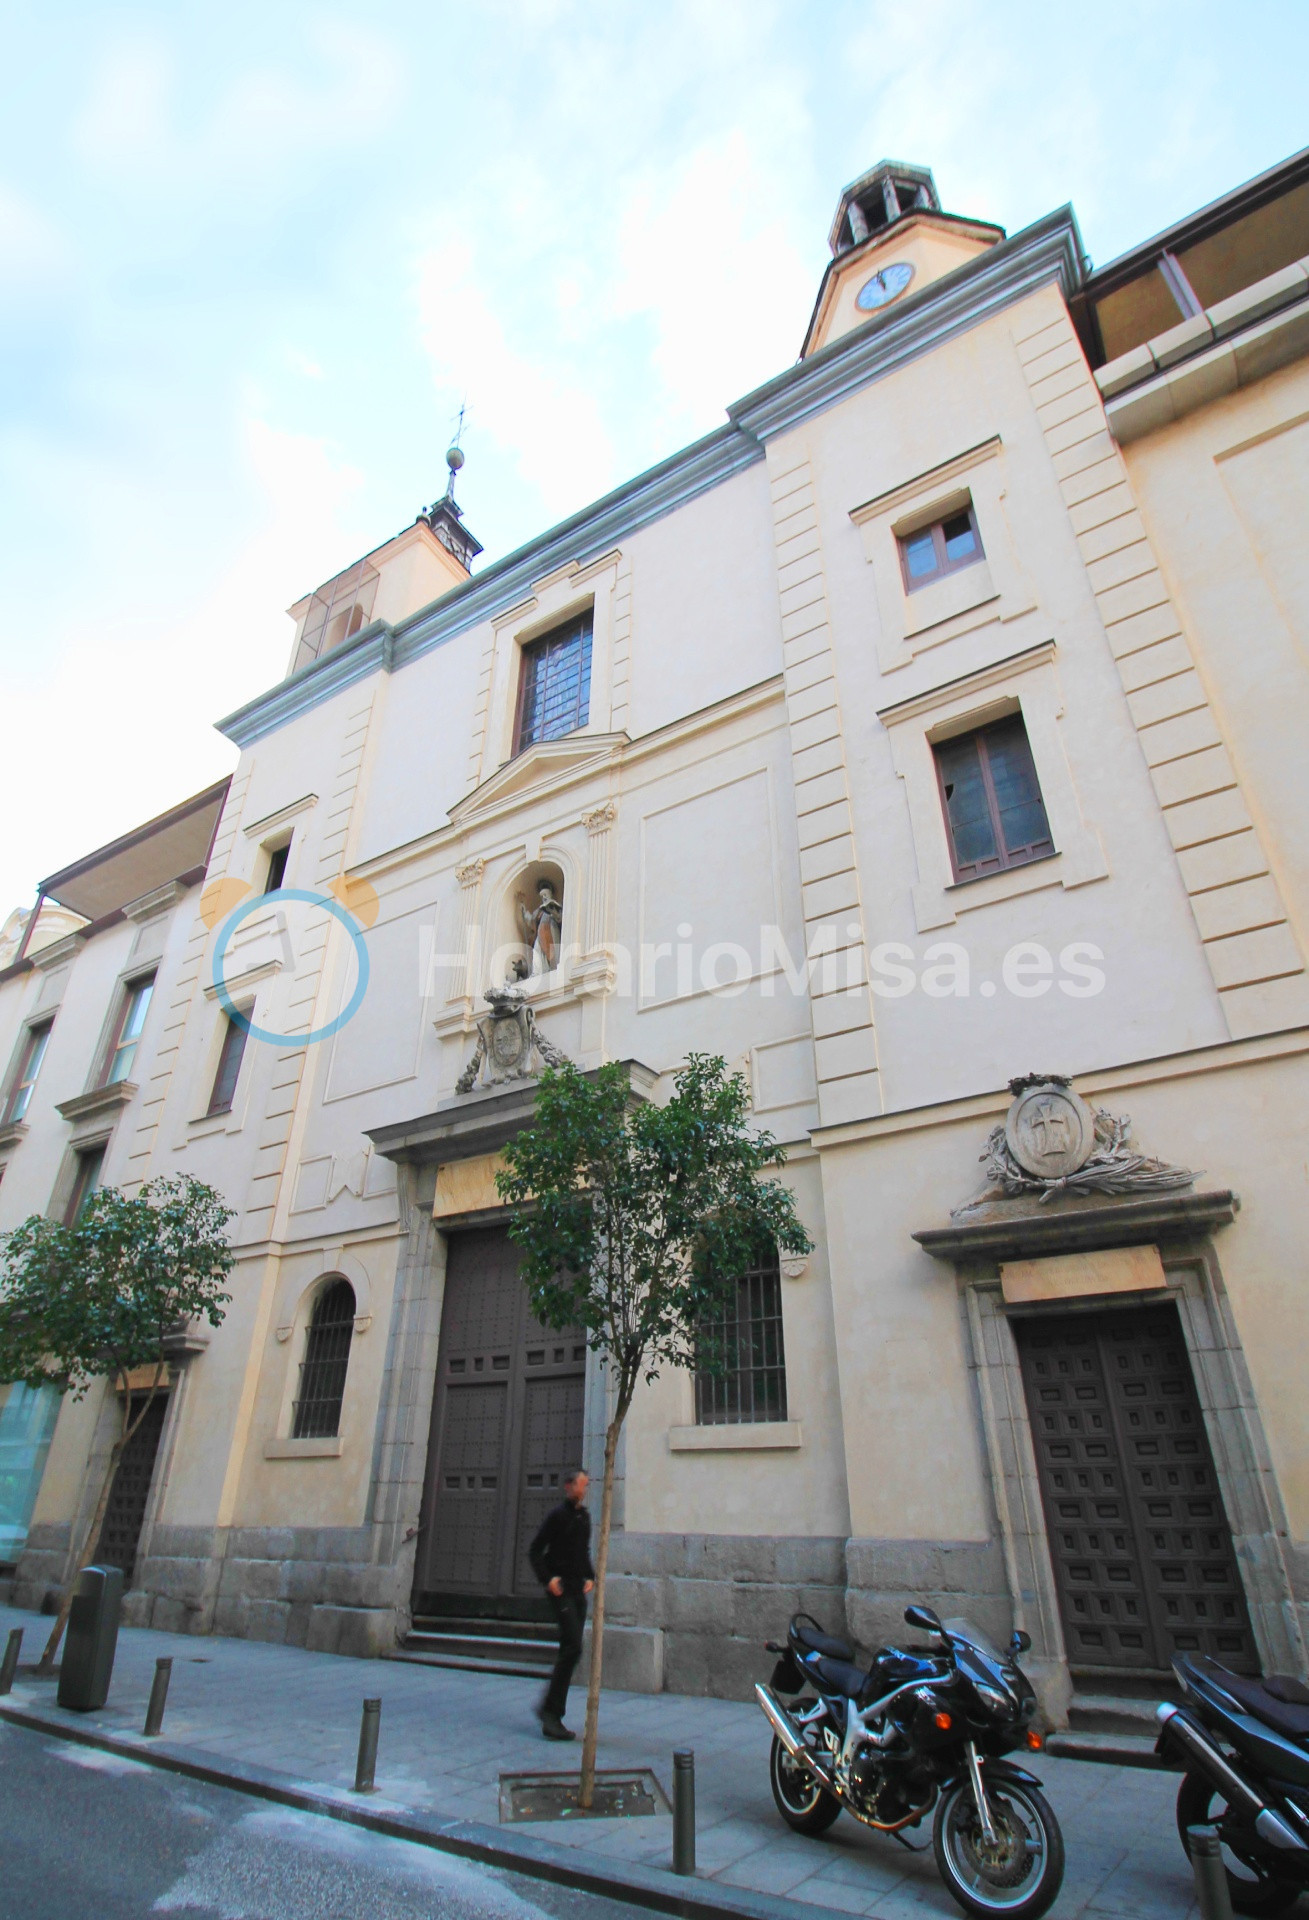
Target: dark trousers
570,1613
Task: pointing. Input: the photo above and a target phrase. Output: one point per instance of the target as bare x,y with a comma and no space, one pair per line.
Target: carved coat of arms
1052,1142
507,1040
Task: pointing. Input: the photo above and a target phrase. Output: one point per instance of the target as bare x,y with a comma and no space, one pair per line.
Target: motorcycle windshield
961,1629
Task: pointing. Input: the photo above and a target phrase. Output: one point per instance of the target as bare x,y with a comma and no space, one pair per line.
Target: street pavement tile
285,1708
834,1894
865,1869
768,1869
1130,1891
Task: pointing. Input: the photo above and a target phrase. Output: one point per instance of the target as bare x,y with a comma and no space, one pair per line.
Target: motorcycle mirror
922,1617
1021,1641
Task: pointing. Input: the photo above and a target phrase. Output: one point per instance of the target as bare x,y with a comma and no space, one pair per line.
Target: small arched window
323,1369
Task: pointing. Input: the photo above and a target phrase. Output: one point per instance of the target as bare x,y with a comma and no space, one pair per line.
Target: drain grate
553,1796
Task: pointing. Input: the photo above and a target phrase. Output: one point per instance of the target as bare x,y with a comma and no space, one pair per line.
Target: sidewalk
446,1736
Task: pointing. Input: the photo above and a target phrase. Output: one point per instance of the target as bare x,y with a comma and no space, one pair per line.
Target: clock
884,286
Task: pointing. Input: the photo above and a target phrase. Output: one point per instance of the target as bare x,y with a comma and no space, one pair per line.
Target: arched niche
525,929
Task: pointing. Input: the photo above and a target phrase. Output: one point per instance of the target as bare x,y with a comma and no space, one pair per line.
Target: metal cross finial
454,457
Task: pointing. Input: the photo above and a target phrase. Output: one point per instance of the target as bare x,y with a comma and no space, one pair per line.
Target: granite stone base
686,1613
40,1567
717,1598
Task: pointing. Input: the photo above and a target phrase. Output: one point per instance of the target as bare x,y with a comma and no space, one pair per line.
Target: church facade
926,741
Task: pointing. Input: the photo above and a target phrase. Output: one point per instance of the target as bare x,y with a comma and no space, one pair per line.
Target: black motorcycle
1244,1746
924,1727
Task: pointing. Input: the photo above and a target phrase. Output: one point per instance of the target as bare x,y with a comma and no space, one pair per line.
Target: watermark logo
262,923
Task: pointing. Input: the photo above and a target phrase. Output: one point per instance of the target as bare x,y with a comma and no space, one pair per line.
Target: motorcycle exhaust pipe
1179,1726
780,1721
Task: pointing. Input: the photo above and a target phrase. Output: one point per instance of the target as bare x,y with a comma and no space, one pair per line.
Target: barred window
322,1372
554,694
747,1340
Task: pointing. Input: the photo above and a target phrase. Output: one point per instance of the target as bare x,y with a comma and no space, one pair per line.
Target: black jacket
562,1547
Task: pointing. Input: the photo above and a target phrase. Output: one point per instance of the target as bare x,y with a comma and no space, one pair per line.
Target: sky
254,259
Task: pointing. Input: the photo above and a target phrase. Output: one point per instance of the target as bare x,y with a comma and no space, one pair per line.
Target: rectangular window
27,1421
747,1340
994,813
127,1034
29,1065
229,1068
86,1182
276,874
554,693
944,547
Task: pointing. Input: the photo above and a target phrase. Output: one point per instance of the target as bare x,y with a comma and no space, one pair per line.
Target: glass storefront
27,1420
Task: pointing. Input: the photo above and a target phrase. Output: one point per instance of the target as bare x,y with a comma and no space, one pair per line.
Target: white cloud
543,414
34,254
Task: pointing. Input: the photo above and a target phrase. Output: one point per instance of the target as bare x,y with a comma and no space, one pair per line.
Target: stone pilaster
845,1041
1248,940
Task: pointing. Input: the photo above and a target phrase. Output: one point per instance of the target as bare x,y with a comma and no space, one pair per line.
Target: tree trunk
592,1733
89,1544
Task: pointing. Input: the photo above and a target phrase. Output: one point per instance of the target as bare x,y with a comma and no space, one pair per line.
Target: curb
652,1887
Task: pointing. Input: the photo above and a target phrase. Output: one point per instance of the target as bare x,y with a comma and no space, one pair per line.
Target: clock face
884,286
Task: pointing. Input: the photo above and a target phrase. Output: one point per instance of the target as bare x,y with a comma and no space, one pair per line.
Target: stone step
1113,1713
465,1663
479,1626
483,1646
1109,1749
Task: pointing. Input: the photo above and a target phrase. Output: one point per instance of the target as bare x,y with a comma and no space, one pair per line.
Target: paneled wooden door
506,1426
120,1532
1142,1551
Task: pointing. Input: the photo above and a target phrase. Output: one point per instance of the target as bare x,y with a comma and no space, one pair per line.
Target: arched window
322,1371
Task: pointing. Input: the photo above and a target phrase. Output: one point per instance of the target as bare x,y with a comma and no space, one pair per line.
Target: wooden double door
506,1426
1140,1542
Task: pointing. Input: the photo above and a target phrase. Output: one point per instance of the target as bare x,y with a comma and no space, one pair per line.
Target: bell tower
890,239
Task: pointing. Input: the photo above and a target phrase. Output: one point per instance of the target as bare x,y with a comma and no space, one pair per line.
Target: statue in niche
542,927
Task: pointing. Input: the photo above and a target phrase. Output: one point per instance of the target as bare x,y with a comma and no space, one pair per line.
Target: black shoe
554,1729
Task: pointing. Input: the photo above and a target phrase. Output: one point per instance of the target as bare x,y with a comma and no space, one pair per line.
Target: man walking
561,1560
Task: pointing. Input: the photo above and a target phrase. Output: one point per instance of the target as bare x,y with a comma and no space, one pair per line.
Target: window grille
555,692
747,1340
317,1412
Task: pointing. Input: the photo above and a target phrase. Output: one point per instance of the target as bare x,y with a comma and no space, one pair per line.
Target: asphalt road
85,1835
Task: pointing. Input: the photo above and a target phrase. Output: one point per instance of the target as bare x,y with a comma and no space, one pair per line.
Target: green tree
99,1299
634,1222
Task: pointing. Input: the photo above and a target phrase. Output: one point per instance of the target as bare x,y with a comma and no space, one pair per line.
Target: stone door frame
463,1128
1237,1440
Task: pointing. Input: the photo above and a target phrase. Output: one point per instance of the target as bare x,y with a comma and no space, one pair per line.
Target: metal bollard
684,1810
154,1713
9,1665
366,1765
1211,1888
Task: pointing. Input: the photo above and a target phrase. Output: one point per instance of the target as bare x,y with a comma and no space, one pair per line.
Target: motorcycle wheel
803,1804
1253,1889
1021,1873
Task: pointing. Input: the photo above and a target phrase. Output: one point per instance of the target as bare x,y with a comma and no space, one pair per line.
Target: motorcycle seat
838,1676
1280,1700
812,1639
